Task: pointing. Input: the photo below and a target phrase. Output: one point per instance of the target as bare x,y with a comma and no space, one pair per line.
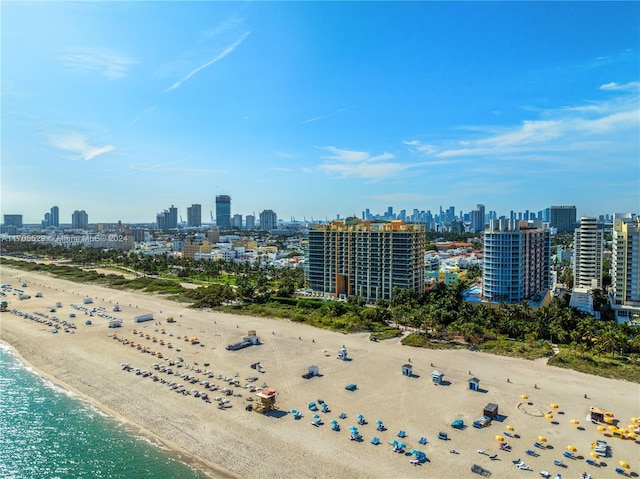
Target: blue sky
314,109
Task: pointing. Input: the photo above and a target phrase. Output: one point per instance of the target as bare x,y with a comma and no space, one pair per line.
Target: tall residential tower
625,267
365,258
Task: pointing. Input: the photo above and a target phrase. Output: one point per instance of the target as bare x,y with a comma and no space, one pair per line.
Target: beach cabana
458,424
407,370
313,371
596,414
474,384
437,377
491,410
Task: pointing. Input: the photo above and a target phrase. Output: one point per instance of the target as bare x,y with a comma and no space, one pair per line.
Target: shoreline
131,427
247,444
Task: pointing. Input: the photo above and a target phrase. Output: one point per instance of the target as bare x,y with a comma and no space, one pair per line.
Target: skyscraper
223,212
250,222
79,220
587,264
268,220
54,217
516,261
13,220
477,219
563,218
168,219
364,258
625,267
194,216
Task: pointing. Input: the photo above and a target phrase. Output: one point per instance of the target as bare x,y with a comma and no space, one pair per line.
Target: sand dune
235,442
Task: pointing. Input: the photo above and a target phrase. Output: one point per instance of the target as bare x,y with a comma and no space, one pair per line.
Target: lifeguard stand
266,400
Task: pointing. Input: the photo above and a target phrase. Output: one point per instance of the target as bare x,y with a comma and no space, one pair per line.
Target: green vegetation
608,365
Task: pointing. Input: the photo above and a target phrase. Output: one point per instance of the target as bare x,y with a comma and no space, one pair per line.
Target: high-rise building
477,219
563,218
168,219
268,220
223,212
194,216
250,222
46,222
625,267
237,221
516,261
364,258
13,220
54,217
79,220
587,256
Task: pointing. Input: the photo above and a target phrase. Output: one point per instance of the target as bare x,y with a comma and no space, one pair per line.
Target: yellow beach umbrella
575,421
608,414
602,428
524,396
542,439
510,428
549,416
632,435
624,464
634,419
613,428
499,438
632,426
594,454
554,406
571,448
608,420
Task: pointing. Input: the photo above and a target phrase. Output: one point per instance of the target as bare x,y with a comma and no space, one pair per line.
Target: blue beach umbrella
379,422
316,416
333,421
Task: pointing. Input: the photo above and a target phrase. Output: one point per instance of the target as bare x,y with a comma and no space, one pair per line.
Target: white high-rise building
625,267
587,264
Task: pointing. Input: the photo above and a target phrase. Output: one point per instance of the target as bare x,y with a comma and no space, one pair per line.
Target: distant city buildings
52,218
364,258
79,220
516,262
13,220
625,267
250,222
477,219
223,212
168,219
268,220
194,216
562,218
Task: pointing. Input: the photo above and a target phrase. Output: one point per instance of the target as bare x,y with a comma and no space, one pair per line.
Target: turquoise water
47,433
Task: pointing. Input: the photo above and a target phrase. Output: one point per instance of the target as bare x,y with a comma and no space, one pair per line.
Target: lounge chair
558,462
568,455
443,436
401,433
538,445
591,462
422,440
375,441
545,474
530,452
619,470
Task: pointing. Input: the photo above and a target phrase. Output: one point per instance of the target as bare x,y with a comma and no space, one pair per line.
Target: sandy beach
233,442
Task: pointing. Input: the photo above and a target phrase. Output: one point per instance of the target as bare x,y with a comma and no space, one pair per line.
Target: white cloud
78,145
631,86
573,128
353,155
229,49
110,64
424,148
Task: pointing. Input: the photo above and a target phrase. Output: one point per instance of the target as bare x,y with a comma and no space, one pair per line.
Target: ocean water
45,432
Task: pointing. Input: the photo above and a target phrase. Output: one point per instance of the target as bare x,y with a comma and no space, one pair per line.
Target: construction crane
211,212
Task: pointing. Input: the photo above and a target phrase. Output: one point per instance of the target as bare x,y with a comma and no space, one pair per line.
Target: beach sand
238,443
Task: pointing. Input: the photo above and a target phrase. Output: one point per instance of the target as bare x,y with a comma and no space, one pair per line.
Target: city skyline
318,109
